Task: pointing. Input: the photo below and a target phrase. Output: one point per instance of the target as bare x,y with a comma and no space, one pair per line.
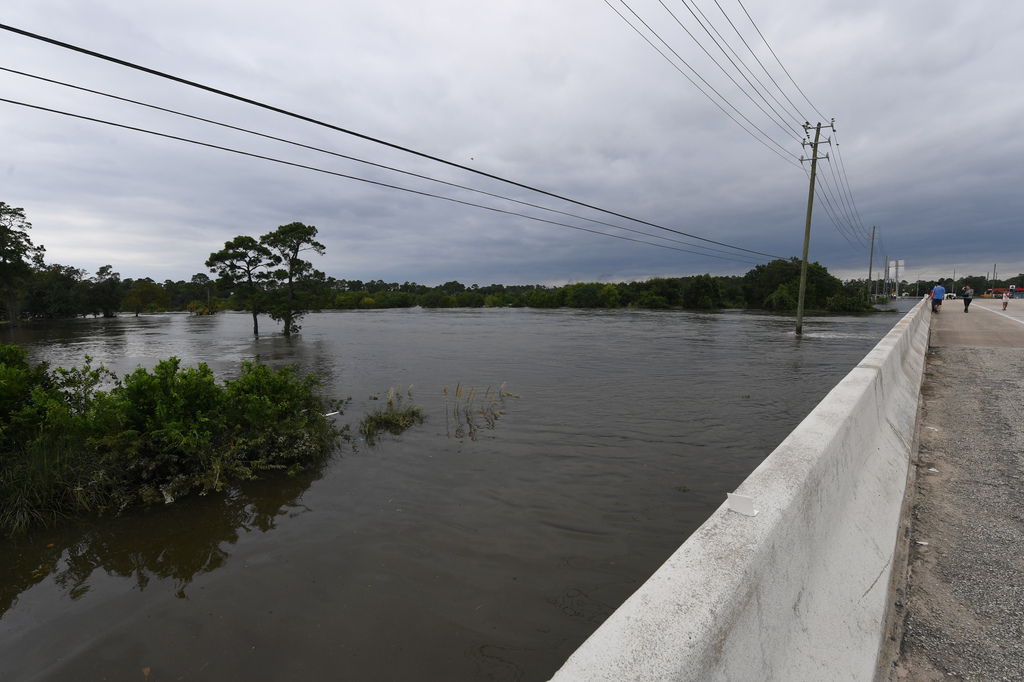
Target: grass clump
68,448
463,409
394,418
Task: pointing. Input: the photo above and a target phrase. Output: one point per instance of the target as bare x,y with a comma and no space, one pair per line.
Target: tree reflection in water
172,543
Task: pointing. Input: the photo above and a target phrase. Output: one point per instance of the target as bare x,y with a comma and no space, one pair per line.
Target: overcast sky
561,96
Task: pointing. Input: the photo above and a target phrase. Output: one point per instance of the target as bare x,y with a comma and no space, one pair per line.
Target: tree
16,250
105,293
146,294
200,286
583,295
242,263
286,243
703,292
452,288
775,285
435,298
198,295
56,291
469,299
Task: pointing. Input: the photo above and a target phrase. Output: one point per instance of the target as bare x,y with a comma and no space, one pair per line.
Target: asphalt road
986,325
961,606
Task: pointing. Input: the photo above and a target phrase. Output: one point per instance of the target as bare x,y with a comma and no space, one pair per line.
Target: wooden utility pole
807,227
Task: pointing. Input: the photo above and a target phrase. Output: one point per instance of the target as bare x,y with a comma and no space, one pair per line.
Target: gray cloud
562,96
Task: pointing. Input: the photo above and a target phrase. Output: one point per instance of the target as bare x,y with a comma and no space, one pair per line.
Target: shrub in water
67,447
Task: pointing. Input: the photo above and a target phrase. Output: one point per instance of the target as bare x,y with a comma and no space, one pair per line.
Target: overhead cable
779,61
789,131
800,115
368,181
846,180
356,159
705,23
781,152
353,133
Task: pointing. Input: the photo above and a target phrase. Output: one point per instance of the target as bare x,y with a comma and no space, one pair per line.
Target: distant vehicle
950,295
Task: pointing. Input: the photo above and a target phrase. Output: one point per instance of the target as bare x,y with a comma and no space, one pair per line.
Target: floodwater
465,549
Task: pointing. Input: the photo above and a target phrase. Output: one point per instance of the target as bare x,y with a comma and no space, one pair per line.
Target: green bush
67,448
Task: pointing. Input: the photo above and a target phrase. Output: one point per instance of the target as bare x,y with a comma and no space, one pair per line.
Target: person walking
938,293
1006,299
968,296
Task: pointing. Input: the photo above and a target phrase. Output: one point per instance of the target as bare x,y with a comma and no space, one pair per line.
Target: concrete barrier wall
798,591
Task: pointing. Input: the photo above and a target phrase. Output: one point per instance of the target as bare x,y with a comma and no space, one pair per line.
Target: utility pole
807,227
871,262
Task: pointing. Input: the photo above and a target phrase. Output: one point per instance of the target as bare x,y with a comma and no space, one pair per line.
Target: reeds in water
465,407
394,418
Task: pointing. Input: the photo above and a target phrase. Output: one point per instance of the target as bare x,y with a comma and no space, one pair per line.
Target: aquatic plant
394,418
463,410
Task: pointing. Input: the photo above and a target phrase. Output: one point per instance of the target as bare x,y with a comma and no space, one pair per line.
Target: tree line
271,275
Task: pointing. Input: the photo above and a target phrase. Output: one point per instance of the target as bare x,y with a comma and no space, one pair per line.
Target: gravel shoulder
960,598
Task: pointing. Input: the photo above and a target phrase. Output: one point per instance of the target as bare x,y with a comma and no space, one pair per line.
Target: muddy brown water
462,550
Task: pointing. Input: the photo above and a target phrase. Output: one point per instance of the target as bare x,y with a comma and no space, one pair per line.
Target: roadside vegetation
84,441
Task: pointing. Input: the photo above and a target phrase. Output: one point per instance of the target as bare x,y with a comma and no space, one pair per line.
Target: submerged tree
56,291
295,275
243,262
146,294
105,293
775,285
16,252
702,292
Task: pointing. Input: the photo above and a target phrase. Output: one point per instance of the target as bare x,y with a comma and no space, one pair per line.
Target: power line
836,195
702,91
789,131
842,168
366,180
779,61
800,115
346,131
842,216
356,159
